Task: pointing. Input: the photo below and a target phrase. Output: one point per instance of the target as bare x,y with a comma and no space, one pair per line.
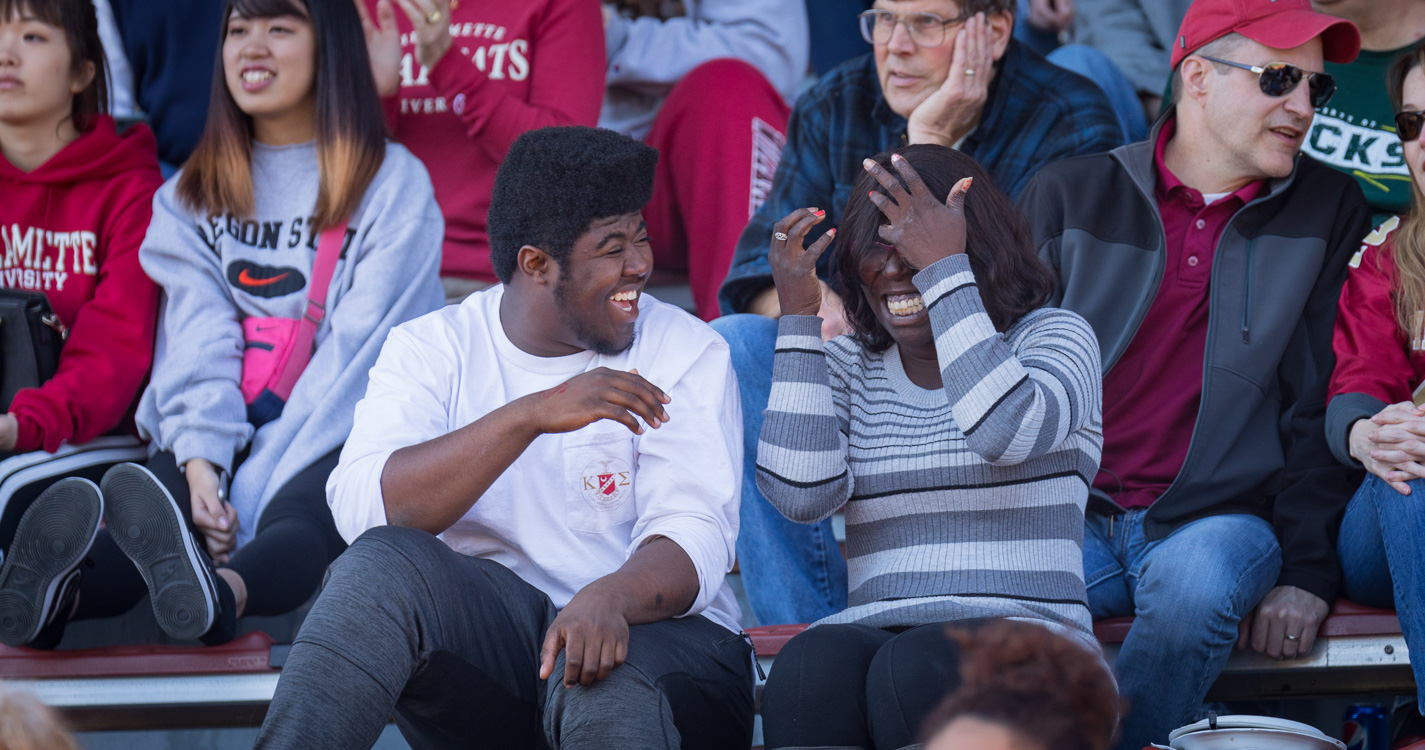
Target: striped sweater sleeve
1018,395
801,454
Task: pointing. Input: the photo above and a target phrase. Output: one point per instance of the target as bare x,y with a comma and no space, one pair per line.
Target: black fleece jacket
1259,445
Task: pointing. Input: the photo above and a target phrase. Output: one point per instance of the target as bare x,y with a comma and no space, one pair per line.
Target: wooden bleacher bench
1359,651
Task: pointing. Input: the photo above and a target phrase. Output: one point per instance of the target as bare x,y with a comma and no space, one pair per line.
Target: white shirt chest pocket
598,479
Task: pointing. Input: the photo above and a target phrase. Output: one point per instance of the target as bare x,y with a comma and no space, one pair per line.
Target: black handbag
31,337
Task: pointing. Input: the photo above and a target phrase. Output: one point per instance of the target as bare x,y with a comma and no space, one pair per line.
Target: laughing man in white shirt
576,445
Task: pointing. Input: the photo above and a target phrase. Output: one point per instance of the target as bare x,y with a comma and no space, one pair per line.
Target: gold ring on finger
780,236
433,17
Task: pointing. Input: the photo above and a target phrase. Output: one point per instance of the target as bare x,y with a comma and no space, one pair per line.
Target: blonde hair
28,724
1409,247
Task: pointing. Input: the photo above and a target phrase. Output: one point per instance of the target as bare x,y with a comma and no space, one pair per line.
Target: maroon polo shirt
1151,395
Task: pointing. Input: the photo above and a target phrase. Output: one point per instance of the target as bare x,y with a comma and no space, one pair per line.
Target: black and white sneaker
40,575
149,527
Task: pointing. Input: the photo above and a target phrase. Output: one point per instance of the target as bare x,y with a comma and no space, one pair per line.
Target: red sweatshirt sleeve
1371,355
110,345
566,91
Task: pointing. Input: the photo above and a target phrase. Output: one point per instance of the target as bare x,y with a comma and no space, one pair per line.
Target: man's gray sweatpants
450,643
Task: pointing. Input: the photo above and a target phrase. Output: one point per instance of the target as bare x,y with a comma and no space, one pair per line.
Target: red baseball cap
1282,24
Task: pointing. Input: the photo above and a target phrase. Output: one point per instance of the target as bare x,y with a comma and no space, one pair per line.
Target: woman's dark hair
1012,279
1042,685
351,128
81,31
555,182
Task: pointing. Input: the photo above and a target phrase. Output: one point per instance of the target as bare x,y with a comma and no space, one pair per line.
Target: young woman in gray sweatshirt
294,145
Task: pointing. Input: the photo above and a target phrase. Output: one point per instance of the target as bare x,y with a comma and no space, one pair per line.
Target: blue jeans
1382,559
1188,592
792,572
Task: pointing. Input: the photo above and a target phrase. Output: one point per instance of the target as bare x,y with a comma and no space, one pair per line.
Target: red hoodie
1372,354
72,229
514,66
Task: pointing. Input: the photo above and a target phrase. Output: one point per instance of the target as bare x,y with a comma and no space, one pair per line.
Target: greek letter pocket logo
606,483
598,471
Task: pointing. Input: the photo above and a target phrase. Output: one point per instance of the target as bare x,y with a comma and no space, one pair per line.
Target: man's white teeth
905,304
625,297
257,76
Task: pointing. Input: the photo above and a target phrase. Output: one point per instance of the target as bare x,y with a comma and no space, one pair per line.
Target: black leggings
295,541
858,686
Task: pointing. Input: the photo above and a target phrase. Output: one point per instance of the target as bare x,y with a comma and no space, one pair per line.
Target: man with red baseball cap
1209,259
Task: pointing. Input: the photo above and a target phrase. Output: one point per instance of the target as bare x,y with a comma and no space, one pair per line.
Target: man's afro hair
557,181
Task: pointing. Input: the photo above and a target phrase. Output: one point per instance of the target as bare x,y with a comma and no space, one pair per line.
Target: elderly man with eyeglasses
1209,259
940,71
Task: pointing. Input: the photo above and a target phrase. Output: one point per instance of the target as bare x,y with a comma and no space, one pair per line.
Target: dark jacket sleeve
1316,487
804,179
1044,212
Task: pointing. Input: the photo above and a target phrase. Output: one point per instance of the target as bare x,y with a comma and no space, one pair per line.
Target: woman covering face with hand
1371,419
292,208
958,425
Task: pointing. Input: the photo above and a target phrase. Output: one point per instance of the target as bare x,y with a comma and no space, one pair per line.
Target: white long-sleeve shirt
573,507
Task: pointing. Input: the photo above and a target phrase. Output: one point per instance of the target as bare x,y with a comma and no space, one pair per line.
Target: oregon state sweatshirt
215,271
71,229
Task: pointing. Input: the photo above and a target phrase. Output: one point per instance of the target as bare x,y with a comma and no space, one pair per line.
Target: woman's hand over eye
922,228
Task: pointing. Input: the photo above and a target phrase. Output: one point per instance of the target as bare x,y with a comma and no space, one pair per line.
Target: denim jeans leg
792,572
1382,559
1192,588
1092,64
1104,571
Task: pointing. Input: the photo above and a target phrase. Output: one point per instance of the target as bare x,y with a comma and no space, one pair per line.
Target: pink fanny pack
277,350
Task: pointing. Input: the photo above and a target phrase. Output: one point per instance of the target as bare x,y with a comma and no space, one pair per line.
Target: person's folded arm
802,466
1012,405
565,65
649,54
1372,367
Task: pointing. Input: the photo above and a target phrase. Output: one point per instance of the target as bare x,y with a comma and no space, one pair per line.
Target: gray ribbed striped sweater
962,502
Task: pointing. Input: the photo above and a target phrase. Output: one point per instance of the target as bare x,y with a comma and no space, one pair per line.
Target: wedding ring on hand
780,236
434,17
1293,638
969,71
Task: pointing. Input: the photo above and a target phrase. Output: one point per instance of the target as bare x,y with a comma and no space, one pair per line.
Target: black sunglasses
1280,79
1408,125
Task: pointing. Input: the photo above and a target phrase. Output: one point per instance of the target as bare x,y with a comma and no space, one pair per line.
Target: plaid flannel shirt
1037,113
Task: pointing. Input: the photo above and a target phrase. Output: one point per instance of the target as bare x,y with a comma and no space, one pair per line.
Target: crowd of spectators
1072,309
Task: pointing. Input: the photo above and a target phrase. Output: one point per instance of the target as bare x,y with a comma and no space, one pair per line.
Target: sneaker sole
54,535
149,527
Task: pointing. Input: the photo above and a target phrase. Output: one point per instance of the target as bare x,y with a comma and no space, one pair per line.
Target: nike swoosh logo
246,279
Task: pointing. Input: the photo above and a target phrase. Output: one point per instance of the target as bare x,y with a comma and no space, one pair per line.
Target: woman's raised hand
922,228
383,45
794,267
430,19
